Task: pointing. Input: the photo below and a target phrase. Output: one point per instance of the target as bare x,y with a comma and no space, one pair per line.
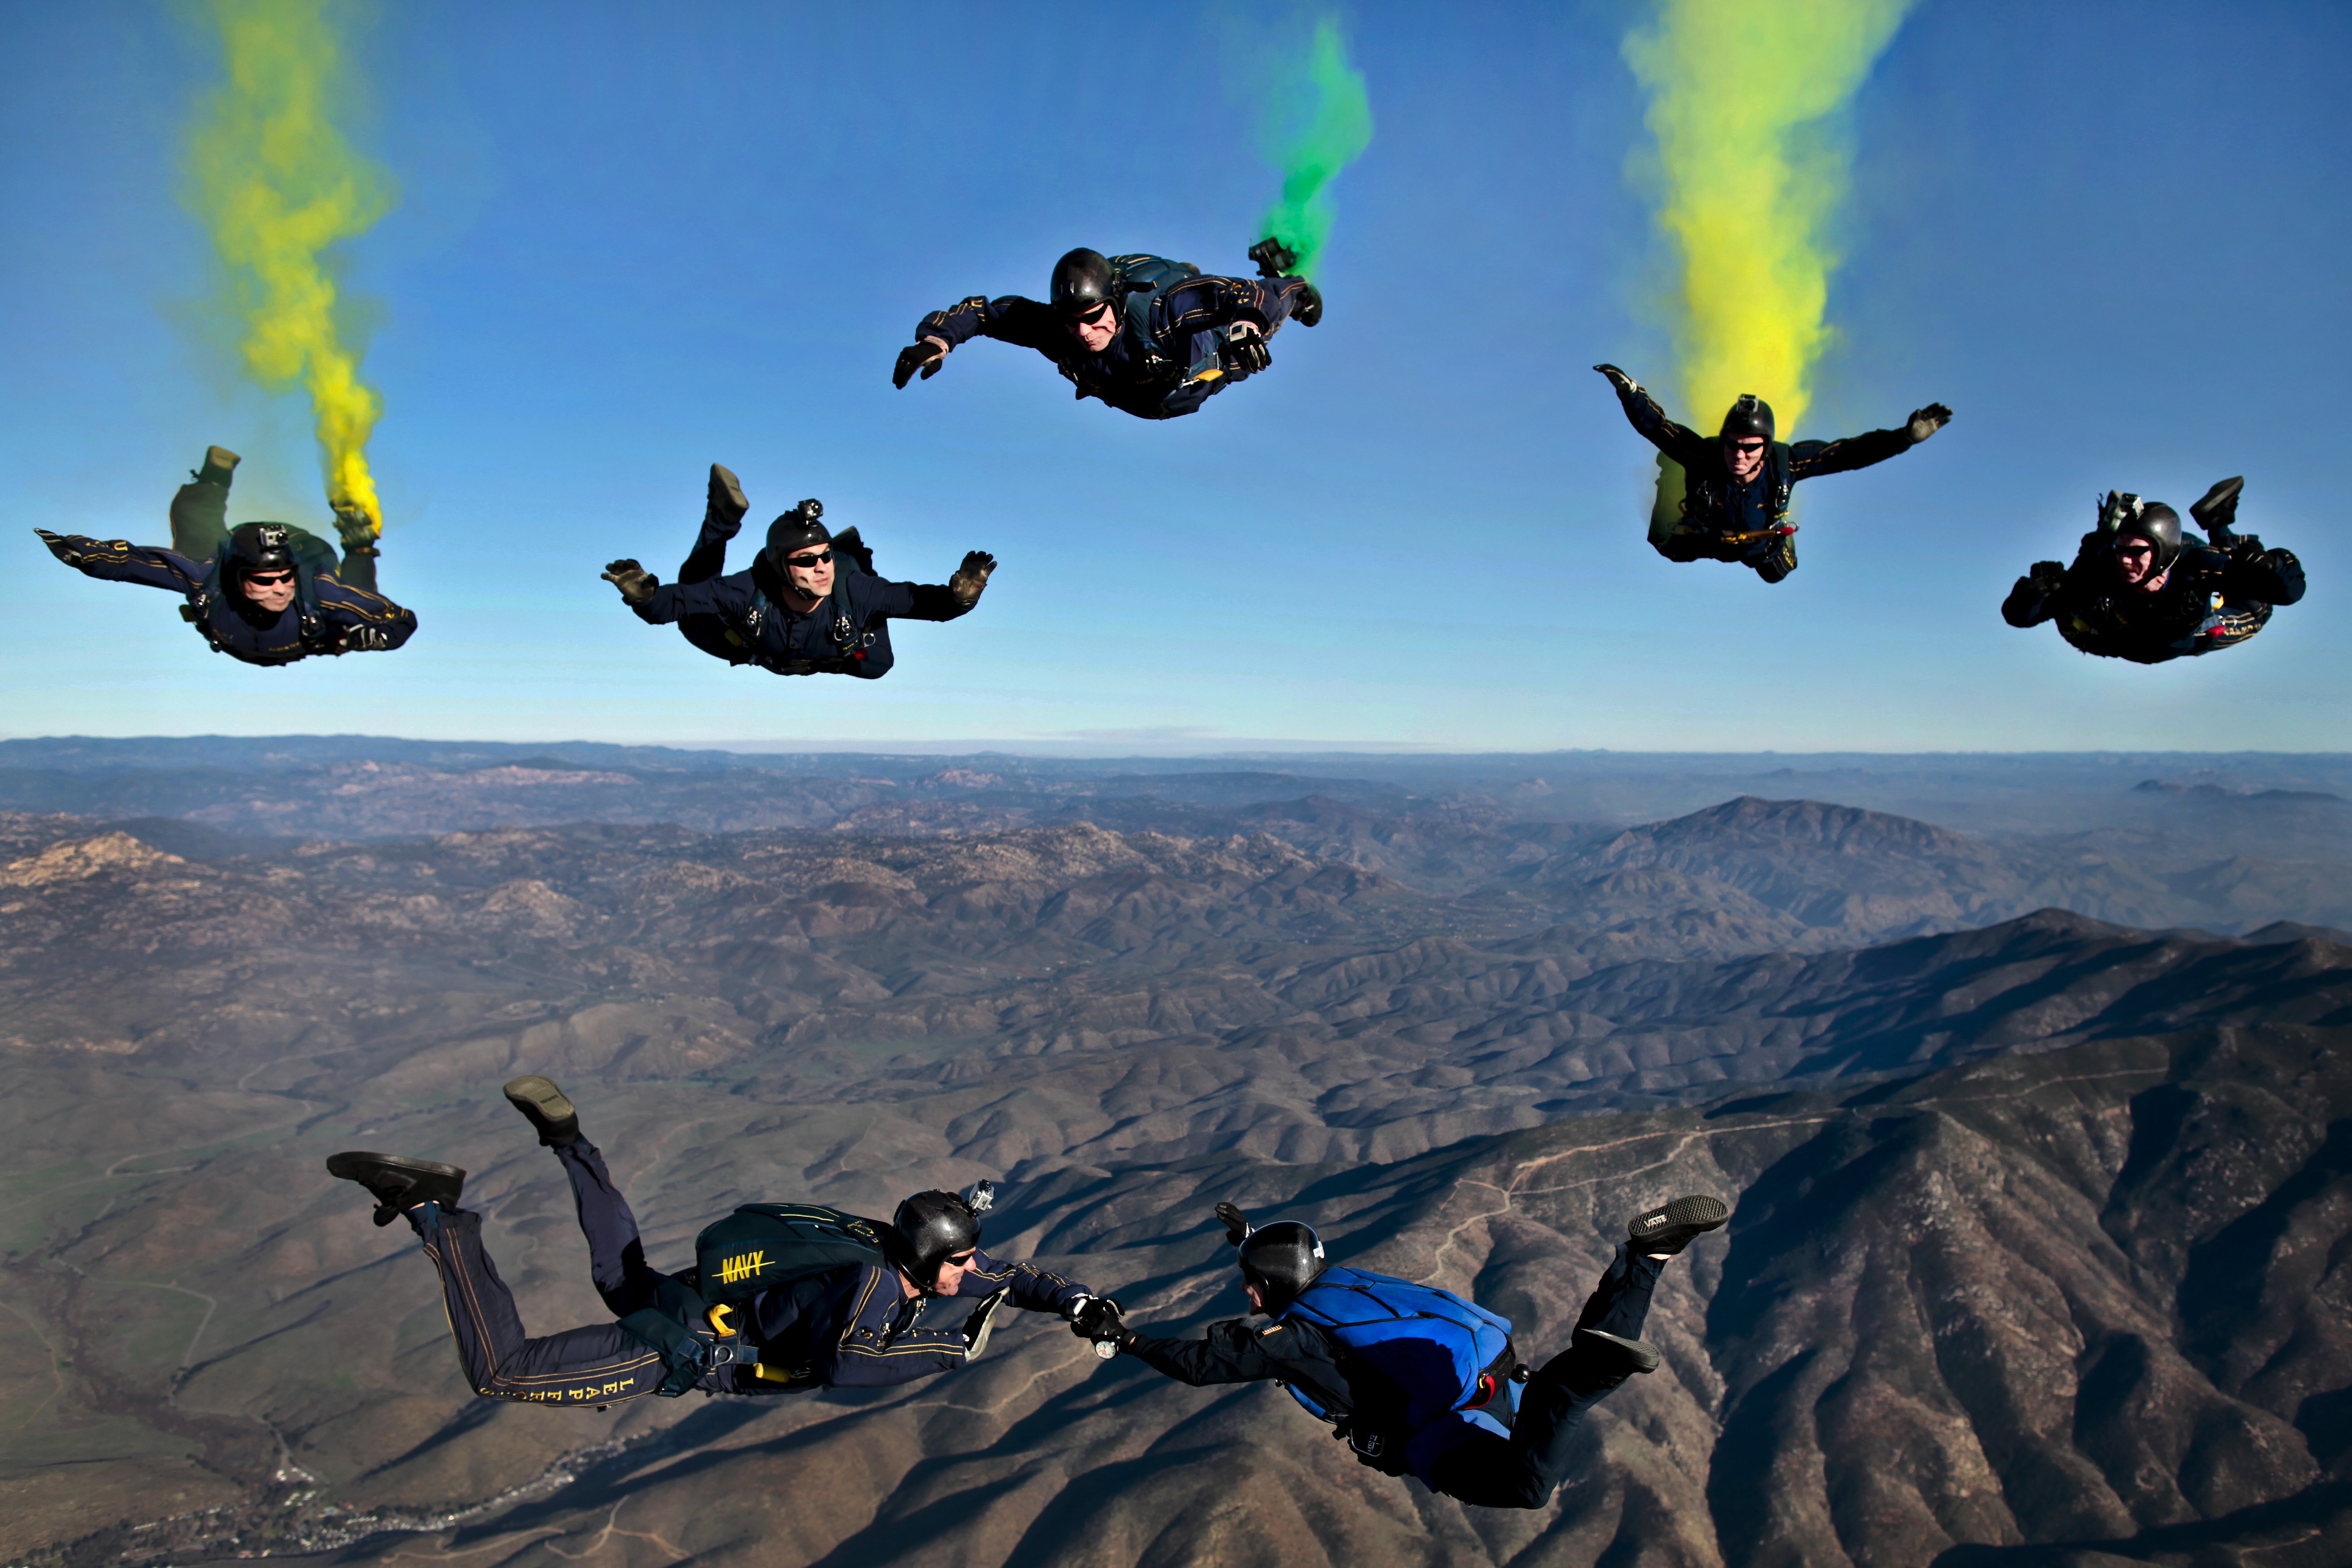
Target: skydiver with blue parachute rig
1417,1379
1149,336
783,1298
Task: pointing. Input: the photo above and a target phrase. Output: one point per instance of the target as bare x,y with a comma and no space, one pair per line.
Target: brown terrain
2041,1250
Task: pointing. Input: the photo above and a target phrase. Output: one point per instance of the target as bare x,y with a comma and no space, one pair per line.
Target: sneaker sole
353,1165
538,1096
732,490
1679,1220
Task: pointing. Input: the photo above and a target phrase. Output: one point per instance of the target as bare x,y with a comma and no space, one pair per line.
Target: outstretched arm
1811,459
924,601
659,605
1034,1288
1011,320
118,560
1230,1351
1680,442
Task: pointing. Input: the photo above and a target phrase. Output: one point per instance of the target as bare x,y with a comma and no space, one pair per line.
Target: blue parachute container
1435,1347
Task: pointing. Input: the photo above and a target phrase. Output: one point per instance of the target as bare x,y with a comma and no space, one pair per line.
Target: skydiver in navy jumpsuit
262,593
809,603
859,1327
1153,338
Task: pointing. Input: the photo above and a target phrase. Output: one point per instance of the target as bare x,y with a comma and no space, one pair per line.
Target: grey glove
972,577
983,1322
1625,384
1926,422
66,547
636,584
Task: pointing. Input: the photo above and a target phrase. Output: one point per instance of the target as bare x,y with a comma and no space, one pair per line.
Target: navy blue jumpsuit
853,1328
740,617
2210,599
1723,520
1183,318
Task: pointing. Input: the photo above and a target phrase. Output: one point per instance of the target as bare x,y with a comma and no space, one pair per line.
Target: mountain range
2039,1251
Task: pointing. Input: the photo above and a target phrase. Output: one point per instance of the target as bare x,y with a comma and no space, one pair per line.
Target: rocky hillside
2038,1258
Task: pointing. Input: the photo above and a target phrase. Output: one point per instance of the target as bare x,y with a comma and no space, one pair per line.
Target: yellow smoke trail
1749,182
276,183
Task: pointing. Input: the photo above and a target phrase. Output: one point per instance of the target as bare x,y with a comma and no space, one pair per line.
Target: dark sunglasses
1093,318
962,1262
822,558
269,579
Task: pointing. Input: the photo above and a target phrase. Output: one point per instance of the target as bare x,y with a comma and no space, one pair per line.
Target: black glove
2047,577
364,639
1237,1224
66,547
972,577
1246,354
1926,422
1095,1318
926,357
983,1322
636,584
1625,384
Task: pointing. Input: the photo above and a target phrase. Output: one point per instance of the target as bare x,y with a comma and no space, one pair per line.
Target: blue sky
632,241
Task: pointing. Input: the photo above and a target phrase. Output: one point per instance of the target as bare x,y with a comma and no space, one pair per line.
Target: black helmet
1083,280
1281,1259
2149,519
928,1229
1752,415
259,547
796,530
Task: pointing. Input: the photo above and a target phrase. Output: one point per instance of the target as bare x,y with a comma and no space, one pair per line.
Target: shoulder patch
1272,1329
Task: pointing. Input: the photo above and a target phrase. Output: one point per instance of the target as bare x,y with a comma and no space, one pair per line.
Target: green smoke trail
1319,121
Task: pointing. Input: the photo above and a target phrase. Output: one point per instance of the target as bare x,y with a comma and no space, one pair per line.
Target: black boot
1274,259
1613,1355
220,463
1774,565
543,1105
397,1182
2218,512
727,504
1669,1227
